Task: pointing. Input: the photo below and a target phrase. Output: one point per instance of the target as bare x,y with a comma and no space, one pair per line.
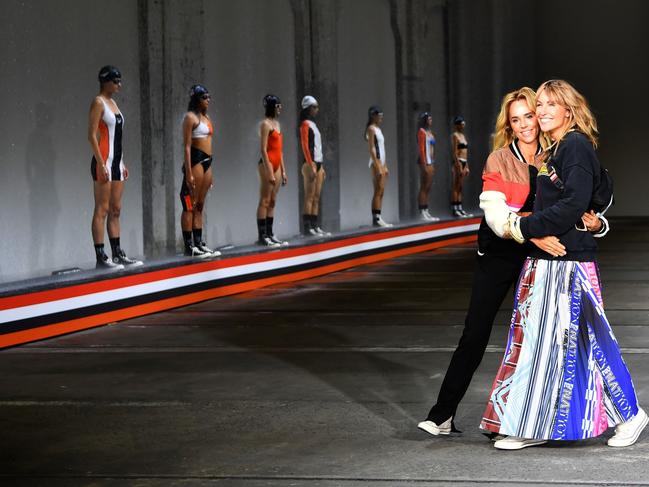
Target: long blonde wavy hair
504,135
581,117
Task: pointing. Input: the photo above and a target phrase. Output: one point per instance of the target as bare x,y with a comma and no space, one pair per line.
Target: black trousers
494,275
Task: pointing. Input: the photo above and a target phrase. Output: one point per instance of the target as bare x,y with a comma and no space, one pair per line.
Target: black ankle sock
99,251
306,219
114,245
198,236
269,226
187,238
314,221
423,207
376,214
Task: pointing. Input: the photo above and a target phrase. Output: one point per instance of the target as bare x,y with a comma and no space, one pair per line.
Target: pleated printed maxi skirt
562,376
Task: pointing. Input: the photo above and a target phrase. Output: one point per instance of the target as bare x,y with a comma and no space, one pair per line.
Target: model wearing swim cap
197,171
426,162
377,163
313,173
460,148
271,171
108,170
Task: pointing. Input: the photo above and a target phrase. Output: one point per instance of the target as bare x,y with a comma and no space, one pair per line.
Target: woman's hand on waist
550,245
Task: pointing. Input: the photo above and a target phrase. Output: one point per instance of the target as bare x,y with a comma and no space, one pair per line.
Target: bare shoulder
97,102
191,117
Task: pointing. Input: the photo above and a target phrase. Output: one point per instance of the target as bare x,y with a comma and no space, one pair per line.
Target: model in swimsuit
460,148
197,172
272,172
313,173
108,170
377,162
426,162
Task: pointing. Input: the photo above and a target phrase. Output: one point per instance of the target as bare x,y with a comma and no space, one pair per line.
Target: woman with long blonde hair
508,185
562,376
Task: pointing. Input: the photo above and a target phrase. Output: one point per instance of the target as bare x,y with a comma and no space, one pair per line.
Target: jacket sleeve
493,199
578,160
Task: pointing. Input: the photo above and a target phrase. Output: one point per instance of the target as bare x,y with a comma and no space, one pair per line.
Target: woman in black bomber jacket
562,376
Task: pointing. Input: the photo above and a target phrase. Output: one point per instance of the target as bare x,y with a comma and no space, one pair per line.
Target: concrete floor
318,383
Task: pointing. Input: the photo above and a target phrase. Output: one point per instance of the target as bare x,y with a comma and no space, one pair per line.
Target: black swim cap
271,101
458,120
109,73
423,116
198,90
374,110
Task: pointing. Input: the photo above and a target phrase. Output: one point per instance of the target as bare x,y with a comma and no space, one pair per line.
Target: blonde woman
508,184
562,376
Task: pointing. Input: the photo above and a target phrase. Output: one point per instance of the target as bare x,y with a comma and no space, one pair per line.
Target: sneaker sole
508,446
117,267
433,431
632,440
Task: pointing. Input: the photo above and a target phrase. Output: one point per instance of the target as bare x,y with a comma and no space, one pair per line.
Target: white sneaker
207,250
314,232
424,215
194,251
432,428
431,217
104,262
267,242
281,243
122,259
380,222
322,232
626,434
516,443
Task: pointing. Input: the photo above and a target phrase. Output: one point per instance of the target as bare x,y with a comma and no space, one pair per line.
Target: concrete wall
445,56
245,60
49,60
602,49
366,73
489,55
